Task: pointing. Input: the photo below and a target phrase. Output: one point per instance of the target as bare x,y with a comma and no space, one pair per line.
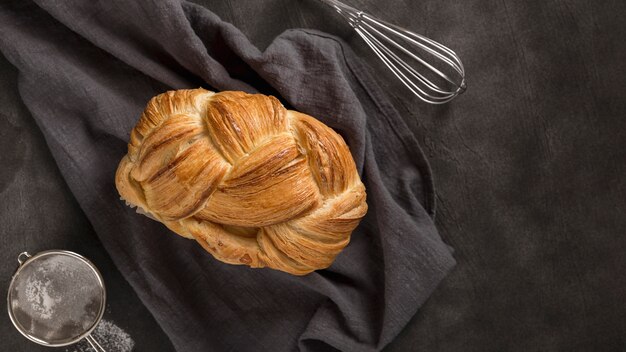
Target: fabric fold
86,71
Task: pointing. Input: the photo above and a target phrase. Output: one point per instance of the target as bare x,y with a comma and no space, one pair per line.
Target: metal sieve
56,298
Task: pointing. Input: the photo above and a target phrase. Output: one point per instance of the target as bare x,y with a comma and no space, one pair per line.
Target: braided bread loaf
252,182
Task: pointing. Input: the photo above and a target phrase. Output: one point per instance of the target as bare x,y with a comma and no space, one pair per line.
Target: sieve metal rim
36,256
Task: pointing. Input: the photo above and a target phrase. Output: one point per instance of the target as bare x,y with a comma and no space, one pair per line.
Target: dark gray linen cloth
86,71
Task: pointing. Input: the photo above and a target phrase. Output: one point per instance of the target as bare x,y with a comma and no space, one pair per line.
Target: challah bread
252,182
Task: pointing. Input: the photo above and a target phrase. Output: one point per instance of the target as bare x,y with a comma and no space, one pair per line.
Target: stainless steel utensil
430,70
56,298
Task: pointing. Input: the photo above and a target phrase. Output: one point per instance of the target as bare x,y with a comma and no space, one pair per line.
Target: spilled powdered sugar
110,336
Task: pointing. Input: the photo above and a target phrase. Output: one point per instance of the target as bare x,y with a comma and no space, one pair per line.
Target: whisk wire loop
387,60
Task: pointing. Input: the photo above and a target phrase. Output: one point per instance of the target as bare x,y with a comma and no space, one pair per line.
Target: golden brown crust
252,182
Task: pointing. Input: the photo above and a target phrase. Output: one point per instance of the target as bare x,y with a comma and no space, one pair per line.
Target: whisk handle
94,344
348,12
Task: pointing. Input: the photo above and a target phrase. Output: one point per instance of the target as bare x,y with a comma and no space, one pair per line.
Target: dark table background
529,165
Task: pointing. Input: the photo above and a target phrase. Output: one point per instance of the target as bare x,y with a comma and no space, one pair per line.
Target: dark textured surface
529,167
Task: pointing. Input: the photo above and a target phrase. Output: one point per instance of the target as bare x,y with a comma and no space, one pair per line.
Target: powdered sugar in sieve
56,298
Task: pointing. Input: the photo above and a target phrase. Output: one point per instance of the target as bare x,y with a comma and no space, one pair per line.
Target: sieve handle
23,257
94,344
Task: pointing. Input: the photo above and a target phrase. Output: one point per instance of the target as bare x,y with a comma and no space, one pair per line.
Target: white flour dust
110,336
41,296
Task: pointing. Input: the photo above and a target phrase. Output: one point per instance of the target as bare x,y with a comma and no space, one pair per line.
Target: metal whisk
430,70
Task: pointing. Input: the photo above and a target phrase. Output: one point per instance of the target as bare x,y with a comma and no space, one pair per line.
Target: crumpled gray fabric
86,71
